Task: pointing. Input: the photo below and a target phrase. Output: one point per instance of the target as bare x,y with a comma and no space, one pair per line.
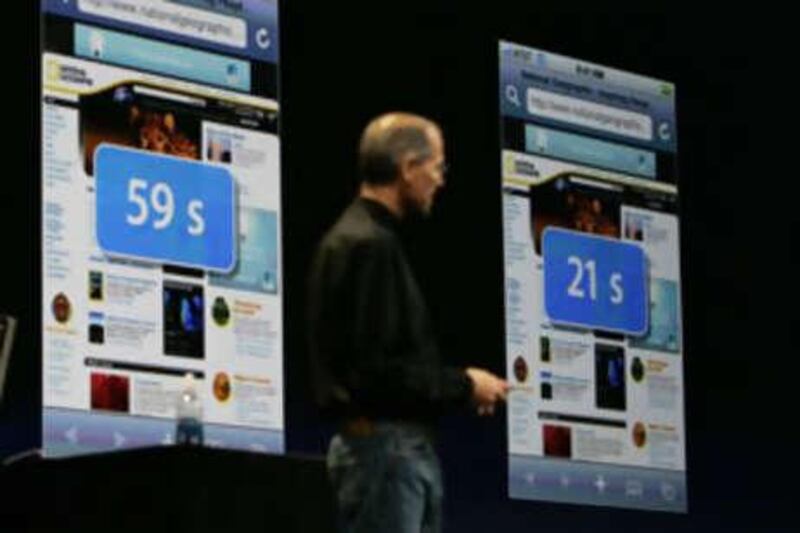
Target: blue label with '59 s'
165,209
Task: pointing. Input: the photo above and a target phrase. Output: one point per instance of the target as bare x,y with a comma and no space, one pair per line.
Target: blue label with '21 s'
595,282
165,209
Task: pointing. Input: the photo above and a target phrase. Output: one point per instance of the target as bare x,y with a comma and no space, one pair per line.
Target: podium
168,489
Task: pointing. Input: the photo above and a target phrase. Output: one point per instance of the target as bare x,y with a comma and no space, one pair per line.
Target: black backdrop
341,65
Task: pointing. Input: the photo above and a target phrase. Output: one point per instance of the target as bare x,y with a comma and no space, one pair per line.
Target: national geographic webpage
592,284
161,249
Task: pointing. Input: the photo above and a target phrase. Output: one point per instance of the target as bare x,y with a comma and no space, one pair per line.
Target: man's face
423,177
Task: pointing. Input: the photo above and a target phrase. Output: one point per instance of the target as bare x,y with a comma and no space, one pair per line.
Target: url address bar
162,15
589,114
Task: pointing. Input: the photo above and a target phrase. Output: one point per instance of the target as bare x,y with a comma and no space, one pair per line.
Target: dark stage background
341,65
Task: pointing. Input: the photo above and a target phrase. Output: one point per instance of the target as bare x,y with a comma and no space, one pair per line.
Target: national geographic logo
523,54
514,165
55,72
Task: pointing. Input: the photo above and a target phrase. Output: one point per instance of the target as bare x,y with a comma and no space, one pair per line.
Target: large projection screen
594,348
161,217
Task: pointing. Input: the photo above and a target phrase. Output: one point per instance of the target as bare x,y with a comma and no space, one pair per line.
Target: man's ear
405,167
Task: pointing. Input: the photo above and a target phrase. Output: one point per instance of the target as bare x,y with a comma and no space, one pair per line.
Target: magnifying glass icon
512,95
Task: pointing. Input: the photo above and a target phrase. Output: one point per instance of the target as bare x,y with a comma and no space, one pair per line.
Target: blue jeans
387,482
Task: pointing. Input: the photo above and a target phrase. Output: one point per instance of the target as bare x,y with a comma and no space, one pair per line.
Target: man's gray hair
386,140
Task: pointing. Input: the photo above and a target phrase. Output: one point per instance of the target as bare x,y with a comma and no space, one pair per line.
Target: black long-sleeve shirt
372,347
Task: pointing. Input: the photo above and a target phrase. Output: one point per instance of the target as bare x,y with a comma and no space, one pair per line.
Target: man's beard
414,213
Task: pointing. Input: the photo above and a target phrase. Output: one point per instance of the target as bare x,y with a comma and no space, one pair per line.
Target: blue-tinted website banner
147,54
588,151
563,92
249,30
